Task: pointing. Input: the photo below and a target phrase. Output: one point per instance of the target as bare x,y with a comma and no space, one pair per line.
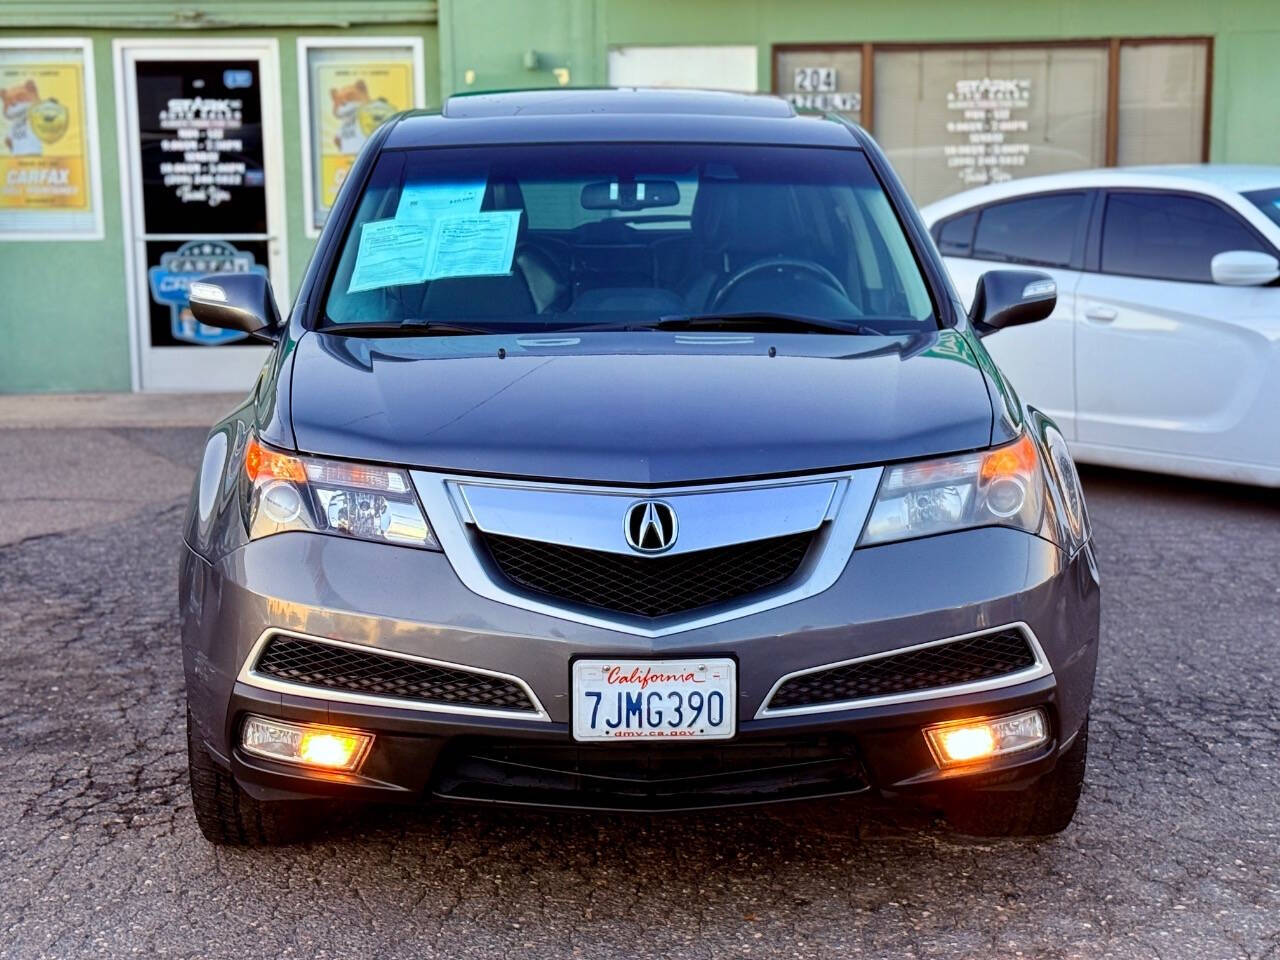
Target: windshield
576,236
1268,201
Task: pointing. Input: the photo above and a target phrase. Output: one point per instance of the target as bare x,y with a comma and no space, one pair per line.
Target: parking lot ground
1175,852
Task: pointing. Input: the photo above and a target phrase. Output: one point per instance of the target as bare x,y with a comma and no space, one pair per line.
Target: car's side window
955,236
1169,236
1043,230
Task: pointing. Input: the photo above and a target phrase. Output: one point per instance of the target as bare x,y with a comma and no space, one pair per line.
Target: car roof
613,115
1219,179
1239,177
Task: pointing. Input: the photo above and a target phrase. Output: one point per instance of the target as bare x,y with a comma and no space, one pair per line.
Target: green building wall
63,314
577,34
64,320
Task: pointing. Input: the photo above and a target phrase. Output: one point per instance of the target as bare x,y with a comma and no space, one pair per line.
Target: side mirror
1244,268
236,301
1010,298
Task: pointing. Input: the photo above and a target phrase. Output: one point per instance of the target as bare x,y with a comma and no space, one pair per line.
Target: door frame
266,51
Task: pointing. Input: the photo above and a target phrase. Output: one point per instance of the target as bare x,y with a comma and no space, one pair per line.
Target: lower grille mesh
637,776
327,665
962,661
648,586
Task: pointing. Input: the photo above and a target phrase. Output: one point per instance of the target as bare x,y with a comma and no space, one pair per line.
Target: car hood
650,408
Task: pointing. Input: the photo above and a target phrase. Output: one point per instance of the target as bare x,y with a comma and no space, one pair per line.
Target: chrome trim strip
1039,669
248,676
850,501
597,521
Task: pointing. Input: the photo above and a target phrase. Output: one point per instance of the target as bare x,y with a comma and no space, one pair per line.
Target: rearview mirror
1010,298
236,301
630,195
1244,268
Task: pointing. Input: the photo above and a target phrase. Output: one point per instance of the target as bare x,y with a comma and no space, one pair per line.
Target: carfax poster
43,136
353,92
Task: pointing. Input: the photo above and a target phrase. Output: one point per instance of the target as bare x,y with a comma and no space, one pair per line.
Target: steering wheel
777,263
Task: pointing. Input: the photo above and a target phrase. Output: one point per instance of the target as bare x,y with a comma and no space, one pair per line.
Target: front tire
1045,808
228,816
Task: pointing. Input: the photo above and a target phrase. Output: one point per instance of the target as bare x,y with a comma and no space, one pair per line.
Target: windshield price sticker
390,253
393,252
480,245
423,203
654,699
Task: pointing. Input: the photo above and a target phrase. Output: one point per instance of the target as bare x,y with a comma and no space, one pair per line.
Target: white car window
1040,230
1167,236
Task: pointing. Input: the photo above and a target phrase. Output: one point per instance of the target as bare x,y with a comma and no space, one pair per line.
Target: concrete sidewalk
76,461
113,410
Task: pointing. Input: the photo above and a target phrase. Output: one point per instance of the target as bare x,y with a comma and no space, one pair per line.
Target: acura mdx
631,450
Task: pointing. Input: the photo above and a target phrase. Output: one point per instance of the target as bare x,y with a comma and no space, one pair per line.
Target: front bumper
410,601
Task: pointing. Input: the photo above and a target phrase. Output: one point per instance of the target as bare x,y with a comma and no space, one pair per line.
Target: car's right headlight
283,492
1003,486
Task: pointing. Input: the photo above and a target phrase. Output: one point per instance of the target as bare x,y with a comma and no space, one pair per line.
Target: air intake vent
332,667
984,657
648,586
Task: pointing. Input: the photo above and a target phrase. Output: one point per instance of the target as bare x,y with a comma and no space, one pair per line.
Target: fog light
970,741
332,748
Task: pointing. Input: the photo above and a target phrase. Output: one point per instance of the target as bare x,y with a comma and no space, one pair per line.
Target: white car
1164,350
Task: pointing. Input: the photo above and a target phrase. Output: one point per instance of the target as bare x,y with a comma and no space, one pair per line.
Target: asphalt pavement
1175,852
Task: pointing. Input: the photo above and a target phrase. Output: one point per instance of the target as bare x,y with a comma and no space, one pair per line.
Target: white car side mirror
1244,268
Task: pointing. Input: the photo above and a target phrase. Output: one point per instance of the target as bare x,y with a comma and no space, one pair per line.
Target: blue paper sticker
390,253
480,245
424,203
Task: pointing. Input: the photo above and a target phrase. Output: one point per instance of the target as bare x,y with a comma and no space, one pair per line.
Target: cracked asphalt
1175,851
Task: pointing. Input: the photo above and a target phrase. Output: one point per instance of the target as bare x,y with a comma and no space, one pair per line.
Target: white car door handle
1101,314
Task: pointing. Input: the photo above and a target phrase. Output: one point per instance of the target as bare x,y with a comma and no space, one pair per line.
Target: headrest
749,218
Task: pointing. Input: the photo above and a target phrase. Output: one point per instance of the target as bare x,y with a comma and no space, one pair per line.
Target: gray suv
630,450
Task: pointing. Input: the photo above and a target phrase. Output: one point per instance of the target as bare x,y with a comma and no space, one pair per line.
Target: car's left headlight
1003,486
283,492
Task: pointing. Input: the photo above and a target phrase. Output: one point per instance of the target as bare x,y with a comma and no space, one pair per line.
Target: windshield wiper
763,322
406,328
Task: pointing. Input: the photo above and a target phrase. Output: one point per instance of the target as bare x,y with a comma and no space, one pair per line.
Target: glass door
202,153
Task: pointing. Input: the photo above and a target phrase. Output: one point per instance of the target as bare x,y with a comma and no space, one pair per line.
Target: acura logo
650,526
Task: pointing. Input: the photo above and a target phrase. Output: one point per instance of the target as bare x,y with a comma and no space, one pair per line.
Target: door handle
1101,314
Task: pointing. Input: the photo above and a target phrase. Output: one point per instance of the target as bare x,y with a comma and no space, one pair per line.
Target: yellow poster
352,94
43,147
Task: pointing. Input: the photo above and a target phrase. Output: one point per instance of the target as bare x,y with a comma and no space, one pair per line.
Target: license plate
654,699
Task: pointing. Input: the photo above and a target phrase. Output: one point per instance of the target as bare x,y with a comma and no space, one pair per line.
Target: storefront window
351,88
1162,100
48,151
951,119
829,80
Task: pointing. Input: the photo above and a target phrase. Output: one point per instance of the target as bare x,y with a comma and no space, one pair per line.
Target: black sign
200,144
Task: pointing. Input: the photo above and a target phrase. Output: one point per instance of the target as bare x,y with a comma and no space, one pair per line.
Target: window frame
1093,250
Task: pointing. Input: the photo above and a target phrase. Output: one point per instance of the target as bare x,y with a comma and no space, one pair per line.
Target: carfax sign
44,141
171,277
